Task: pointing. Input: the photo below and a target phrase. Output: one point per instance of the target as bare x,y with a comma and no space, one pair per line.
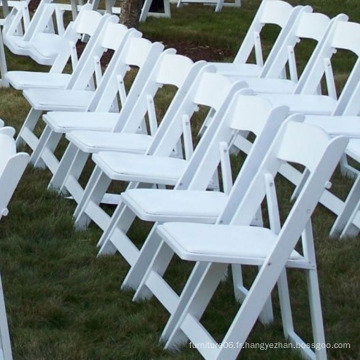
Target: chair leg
43,155
118,238
316,314
219,5
68,159
350,209
200,271
145,10
69,171
212,273
240,291
158,266
146,255
26,135
93,193
285,305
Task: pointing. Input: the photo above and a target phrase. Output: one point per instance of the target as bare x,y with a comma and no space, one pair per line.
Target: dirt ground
196,52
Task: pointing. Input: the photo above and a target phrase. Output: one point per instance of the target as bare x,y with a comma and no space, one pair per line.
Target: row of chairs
131,142
307,25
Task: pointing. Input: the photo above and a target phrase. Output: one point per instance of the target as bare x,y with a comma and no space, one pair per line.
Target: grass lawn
63,303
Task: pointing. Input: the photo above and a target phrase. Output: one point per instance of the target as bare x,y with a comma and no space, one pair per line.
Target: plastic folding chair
280,69
158,165
245,114
79,91
136,52
214,247
42,37
117,131
89,24
279,73
272,12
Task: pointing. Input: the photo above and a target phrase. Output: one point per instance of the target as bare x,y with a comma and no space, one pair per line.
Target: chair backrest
170,69
43,21
136,52
275,12
17,22
87,24
89,63
348,101
12,166
343,35
209,89
319,159
86,21
282,61
245,114
52,21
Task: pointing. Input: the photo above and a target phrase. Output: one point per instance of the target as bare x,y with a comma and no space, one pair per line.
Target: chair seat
243,70
337,125
21,80
43,48
95,141
142,168
48,45
220,243
271,86
58,99
305,104
175,205
64,121
16,42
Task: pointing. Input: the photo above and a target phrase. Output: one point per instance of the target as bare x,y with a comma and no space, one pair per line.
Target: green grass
63,303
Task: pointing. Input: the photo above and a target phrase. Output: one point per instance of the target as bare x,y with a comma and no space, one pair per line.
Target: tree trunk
130,13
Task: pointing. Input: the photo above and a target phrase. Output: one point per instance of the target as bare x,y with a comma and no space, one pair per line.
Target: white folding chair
100,131
214,247
80,86
89,24
281,67
76,97
274,12
136,52
45,29
158,165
